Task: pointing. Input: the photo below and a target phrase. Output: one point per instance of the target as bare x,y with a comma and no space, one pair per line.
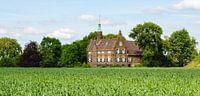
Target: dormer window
120,43
99,52
109,52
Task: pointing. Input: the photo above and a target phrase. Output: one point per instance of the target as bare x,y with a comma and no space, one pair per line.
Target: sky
70,20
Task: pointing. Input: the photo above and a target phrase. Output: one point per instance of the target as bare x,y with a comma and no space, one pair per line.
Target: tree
181,47
50,49
31,56
10,51
75,54
70,55
109,36
148,37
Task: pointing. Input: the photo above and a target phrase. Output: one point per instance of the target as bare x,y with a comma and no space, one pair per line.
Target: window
120,43
89,52
109,52
106,59
98,59
118,51
99,52
102,52
89,60
123,59
123,51
103,60
109,59
129,59
120,59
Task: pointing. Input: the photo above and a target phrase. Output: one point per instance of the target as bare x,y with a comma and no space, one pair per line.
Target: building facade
111,52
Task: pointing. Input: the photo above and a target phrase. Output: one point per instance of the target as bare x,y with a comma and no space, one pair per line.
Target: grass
99,81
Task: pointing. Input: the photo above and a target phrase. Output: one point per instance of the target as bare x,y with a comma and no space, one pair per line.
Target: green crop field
98,82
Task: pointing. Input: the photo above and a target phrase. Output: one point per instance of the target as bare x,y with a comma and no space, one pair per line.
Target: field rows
97,82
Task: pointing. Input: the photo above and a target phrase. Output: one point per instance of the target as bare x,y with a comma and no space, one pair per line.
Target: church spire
99,25
120,33
99,31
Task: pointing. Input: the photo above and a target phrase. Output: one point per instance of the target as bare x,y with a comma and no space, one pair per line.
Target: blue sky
70,20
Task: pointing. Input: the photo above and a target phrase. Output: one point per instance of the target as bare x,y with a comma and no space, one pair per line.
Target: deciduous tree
181,47
75,54
31,56
50,49
148,37
10,51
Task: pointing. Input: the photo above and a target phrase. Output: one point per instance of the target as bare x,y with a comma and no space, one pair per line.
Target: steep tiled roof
109,44
132,48
91,45
106,44
103,44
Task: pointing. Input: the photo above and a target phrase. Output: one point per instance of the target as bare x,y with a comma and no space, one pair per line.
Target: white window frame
123,59
123,51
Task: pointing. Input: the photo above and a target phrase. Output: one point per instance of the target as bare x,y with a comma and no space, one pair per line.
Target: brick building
109,52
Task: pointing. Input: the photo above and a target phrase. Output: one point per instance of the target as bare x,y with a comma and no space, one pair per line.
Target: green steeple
99,28
99,25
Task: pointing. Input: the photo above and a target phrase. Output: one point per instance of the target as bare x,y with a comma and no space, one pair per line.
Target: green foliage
85,65
197,58
74,55
50,49
109,36
181,47
31,56
69,55
99,82
148,37
138,65
118,65
10,51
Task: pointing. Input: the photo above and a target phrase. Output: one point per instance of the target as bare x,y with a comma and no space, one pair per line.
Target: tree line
177,50
49,53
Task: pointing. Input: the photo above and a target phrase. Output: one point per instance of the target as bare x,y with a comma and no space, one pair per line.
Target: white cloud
63,33
3,31
32,31
188,4
156,10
